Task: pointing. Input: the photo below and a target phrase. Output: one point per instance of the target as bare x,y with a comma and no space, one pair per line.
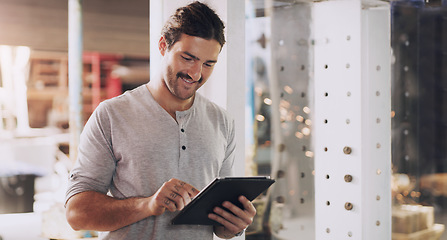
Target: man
144,155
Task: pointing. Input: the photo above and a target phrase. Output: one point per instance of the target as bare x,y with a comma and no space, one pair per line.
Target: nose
195,72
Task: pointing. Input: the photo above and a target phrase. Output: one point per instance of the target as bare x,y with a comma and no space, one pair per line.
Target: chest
149,154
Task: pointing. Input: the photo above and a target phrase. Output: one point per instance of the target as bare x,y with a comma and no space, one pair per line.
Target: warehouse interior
116,58
281,71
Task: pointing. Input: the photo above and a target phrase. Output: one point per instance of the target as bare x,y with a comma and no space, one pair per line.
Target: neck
166,99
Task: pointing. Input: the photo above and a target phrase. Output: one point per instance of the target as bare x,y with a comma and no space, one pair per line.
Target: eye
187,58
208,65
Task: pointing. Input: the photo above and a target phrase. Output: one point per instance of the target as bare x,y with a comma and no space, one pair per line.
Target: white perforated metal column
352,127
376,112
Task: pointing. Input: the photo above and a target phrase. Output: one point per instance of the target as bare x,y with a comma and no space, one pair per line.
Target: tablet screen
218,191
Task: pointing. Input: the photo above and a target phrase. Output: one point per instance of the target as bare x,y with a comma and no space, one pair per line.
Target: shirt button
183,147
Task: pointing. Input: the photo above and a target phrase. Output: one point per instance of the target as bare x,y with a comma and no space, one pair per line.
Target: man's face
188,64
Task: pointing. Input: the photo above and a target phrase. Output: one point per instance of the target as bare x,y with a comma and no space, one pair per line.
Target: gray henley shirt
130,146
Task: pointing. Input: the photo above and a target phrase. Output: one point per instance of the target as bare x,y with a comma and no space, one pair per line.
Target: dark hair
195,19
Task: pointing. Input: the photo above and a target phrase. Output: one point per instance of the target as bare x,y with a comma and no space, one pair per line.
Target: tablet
219,190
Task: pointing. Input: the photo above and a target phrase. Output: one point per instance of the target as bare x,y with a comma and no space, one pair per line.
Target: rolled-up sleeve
95,164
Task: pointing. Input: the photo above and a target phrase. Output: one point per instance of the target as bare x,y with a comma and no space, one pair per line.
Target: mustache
186,76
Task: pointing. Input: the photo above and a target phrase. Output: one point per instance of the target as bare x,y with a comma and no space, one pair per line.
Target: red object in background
102,65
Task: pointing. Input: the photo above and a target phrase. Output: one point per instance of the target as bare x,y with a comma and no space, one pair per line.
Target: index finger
248,206
192,191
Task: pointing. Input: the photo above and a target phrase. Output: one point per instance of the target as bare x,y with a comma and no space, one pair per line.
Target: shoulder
212,109
215,114
119,108
128,101
135,95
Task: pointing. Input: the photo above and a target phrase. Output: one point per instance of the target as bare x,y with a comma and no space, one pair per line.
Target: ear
162,45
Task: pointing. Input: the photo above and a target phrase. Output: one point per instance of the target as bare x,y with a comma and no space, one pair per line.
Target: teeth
187,81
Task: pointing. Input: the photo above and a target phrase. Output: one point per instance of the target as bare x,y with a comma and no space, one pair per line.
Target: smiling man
186,65
144,155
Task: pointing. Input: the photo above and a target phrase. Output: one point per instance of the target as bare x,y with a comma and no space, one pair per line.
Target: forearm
96,211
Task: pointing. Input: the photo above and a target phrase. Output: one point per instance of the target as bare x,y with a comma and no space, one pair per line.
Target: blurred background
279,109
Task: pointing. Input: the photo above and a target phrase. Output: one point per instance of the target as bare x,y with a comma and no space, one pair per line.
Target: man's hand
235,221
173,195
96,211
